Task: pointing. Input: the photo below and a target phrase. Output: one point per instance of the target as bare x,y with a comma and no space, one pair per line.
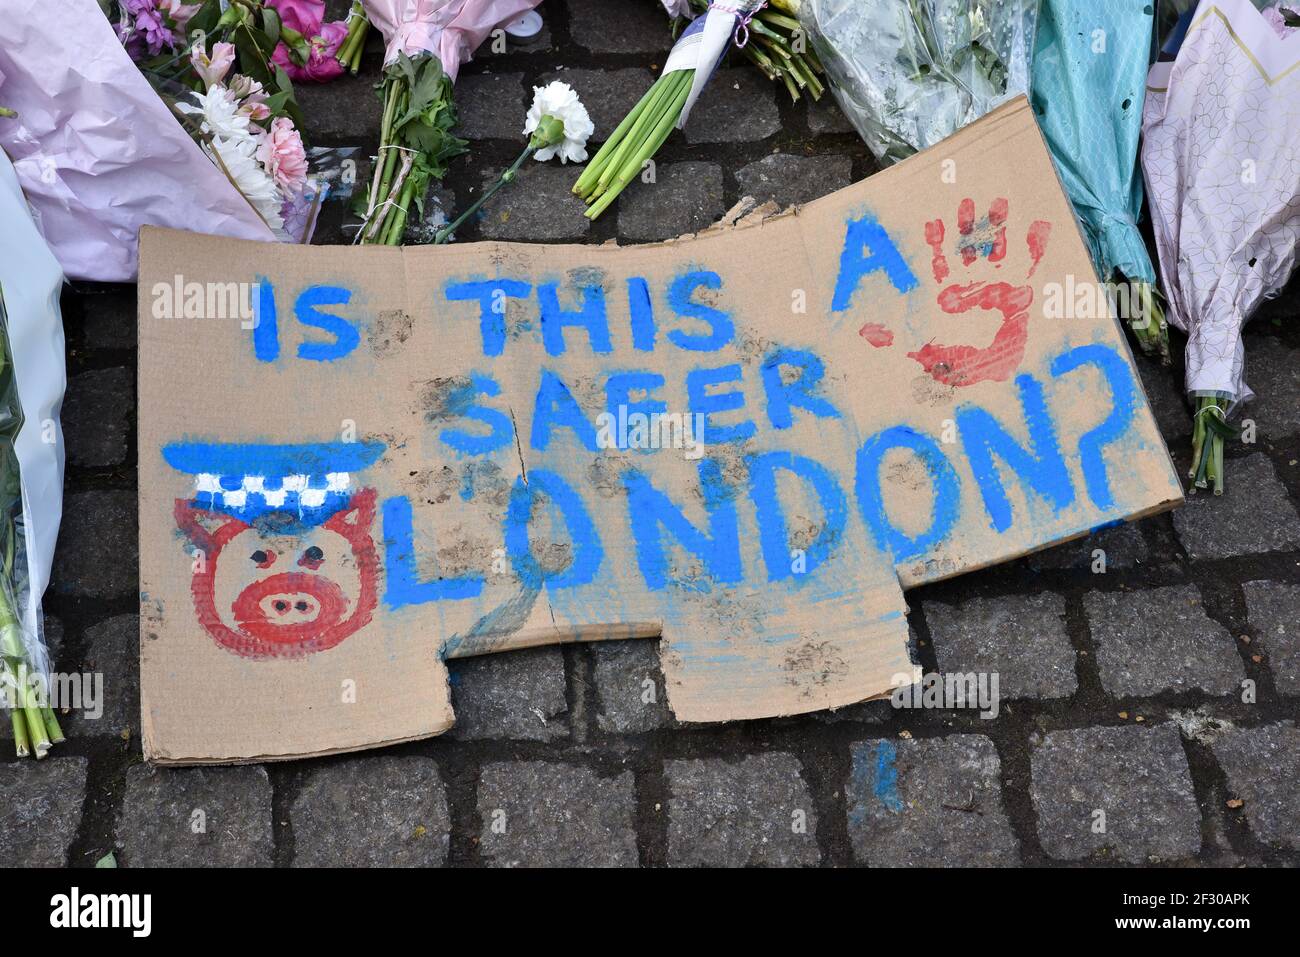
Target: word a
103,910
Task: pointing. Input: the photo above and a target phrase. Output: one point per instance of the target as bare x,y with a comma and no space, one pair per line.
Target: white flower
232,144
558,100
679,8
239,160
220,112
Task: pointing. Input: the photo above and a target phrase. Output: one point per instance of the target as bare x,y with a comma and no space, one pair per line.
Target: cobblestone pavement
1122,691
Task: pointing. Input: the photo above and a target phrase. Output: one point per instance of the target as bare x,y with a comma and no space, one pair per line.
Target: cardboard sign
747,442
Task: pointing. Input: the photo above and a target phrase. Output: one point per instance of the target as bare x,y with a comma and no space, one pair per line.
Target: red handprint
960,365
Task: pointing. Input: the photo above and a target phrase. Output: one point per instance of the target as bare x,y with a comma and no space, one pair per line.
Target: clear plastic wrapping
909,73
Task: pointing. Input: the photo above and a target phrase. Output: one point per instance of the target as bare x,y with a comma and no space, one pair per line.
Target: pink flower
251,97
322,64
281,153
305,16
212,69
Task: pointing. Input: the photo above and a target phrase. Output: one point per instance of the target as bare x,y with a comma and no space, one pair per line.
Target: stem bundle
415,145
1208,434
634,141
778,46
349,52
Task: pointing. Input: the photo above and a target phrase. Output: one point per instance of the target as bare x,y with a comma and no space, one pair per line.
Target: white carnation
559,100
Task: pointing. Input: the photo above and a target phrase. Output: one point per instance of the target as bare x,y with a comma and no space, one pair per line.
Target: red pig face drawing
261,593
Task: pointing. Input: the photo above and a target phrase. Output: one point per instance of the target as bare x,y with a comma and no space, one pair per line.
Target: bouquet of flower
97,152
233,88
776,43
668,102
425,43
910,73
31,466
1089,76
1219,123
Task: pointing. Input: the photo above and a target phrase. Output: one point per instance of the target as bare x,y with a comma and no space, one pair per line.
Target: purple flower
151,26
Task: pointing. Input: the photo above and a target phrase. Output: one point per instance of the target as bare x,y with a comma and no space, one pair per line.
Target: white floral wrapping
1221,129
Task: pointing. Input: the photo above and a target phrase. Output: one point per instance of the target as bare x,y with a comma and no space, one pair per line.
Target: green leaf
1219,427
108,860
271,24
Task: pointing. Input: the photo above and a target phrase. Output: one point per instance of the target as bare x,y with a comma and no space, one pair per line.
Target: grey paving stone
1273,371
40,807
1273,610
1251,517
1020,637
113,650
374,811
109,319
196,817
1262,765
491,106
934,803
1159,640
755,811
630,686
825,116
97,554
347,109
1123,547
96,415
792,180
518,694
1168,402
738,106
1136,775
684,198
538,206
608,95
619,26
542,814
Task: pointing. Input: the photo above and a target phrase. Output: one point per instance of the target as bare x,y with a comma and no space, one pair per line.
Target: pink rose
305,16
322,63
282,155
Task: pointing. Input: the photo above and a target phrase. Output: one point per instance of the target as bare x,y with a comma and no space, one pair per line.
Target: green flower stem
20,733
507,177
52,725
380,211
656,139
1152,335
1208,436
349,52
398,226
7,113
659,99
591,175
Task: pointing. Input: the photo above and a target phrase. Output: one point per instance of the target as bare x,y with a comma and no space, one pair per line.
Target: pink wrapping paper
450,29
96,150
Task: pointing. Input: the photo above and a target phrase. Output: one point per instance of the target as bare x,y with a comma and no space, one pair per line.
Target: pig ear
203,526
360,513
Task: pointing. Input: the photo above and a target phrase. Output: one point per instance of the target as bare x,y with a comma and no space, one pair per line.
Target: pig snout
289,606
